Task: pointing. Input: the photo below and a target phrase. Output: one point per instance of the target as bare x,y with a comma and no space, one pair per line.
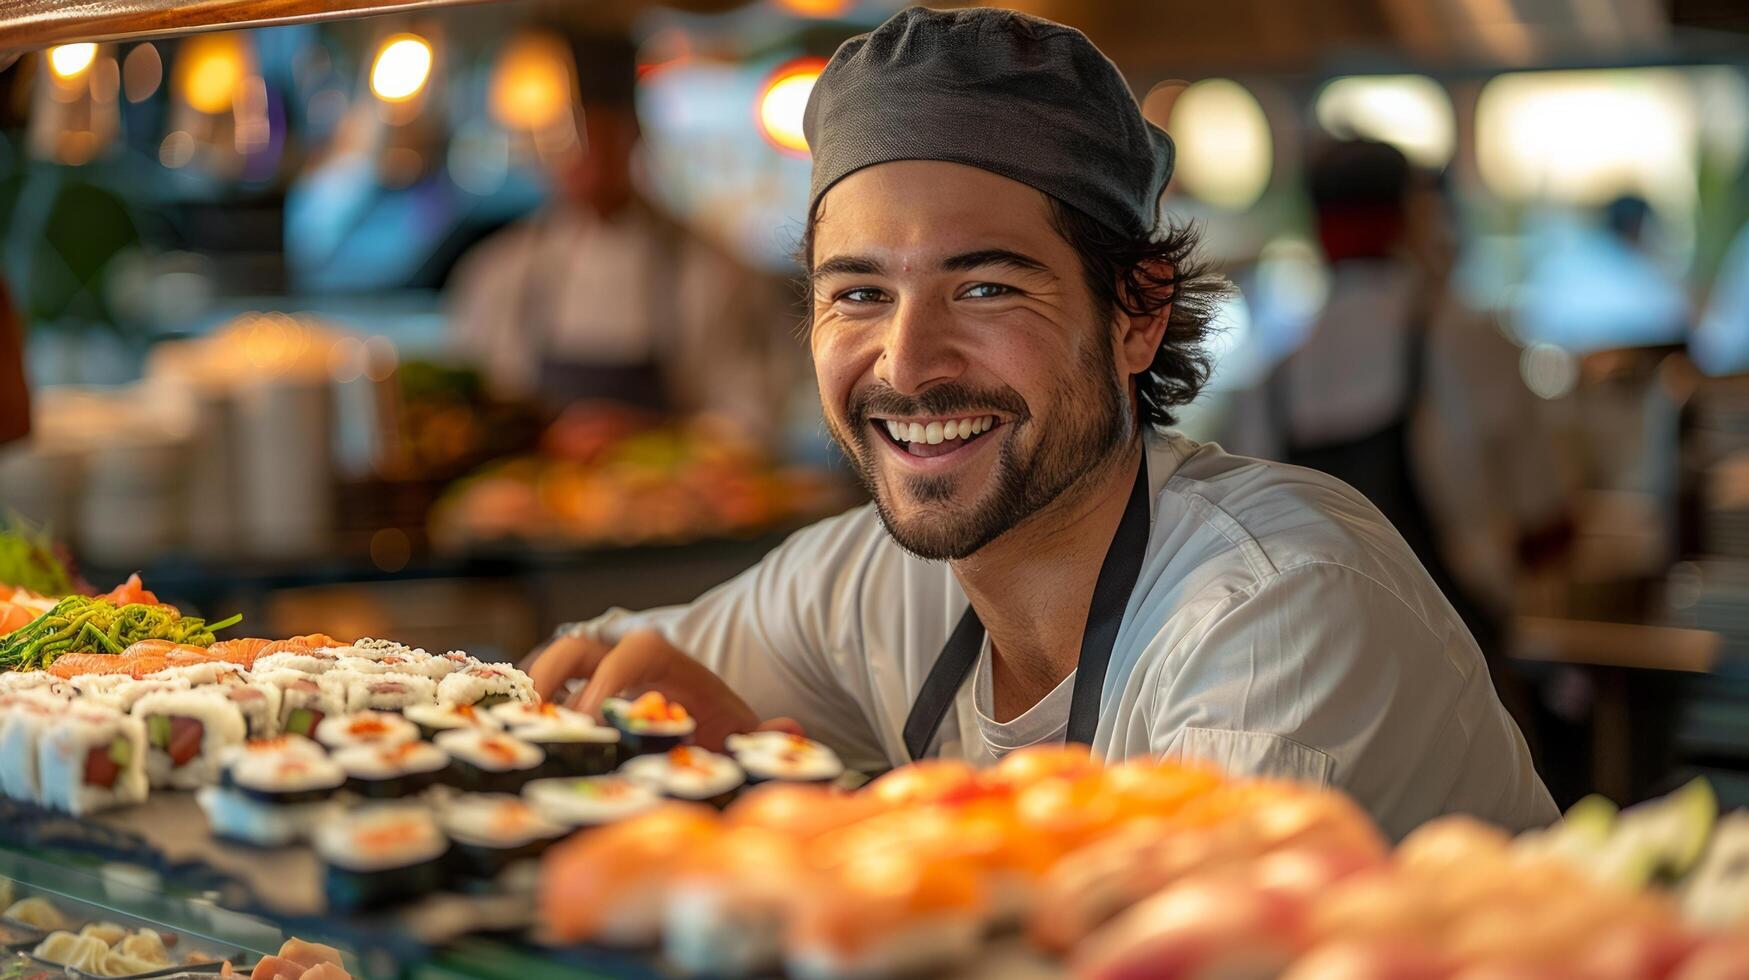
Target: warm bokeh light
815,8
69,61
1411,112
209,70
401,69
531,86
1586,136
1225,153
142,71
783,99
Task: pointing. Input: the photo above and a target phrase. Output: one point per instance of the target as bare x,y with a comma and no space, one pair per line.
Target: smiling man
1001,328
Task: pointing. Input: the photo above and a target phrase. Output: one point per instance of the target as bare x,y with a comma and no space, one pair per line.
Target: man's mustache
948,399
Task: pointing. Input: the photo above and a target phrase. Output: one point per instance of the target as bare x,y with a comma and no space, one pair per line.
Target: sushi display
783,757
489,762
486,685
187,732
435,718
92,759
392,772
491,832
365,728
590,801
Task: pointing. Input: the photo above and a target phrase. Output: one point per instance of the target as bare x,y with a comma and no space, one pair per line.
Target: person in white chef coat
1002,326
599,295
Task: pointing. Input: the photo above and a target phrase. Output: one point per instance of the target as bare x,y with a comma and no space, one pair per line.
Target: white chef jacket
1279,627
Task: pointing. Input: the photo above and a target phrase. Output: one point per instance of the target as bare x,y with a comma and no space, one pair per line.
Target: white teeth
933,433
965,428
985,423
917,433
893,430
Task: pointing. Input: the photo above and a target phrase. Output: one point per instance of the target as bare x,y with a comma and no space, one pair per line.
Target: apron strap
1111,594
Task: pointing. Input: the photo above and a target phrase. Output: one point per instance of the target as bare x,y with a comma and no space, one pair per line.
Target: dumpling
145,945
119,964
78,952
109,932
38,913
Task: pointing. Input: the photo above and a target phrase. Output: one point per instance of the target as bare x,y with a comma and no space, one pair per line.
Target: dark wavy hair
1118,267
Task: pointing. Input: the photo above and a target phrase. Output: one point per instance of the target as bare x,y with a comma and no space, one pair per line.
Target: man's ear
1141,334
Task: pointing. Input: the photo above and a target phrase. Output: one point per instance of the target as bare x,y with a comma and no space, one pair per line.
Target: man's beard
1069,450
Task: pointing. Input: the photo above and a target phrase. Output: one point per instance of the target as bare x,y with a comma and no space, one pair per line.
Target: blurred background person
1396,390
598,295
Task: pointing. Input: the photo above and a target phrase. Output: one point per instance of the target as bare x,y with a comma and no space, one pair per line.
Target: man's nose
919,349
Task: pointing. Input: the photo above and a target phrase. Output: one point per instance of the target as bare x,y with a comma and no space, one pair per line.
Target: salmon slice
74,664
147,664
242,652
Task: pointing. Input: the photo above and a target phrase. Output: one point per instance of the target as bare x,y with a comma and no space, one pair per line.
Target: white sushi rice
292,746
200,675
365,728
62,755
343,842
125,696
285,772
471,685
371,648
305,692
222,727
259,703
312,662
590,801
23,720
441,717
490,751
380,692
780,755
495,820
686,773
389,761
516,714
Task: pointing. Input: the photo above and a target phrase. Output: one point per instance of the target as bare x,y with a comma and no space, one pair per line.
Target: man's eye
862,294
987,290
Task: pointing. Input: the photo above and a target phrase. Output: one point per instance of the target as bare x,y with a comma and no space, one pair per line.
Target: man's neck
1033,585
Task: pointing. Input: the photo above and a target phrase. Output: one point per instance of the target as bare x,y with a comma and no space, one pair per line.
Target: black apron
1111,593
563,380
1381,466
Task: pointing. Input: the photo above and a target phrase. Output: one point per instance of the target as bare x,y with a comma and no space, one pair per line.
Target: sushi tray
82,940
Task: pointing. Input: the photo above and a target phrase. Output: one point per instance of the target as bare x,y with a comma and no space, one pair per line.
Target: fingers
788,726
563,659
639,661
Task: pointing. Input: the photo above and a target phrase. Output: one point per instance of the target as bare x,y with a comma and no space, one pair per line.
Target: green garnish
121,751
158,731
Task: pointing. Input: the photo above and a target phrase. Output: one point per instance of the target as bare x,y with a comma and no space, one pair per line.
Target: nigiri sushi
888,914
732,901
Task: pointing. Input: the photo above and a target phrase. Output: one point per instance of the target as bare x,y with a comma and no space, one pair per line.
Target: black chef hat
1018,96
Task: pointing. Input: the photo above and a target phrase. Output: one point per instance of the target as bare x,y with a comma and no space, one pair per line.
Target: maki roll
123,697
365,728
573,746
100,687
435,718
491,832
394,663
304,704
485,762
24,719
92,759
211,672
650,724
288,745
688,773
590,801
516,714
381,856
442,665
782,757
260,705
187,734
304,661
389,772
380,692
371,648
485,685
272,799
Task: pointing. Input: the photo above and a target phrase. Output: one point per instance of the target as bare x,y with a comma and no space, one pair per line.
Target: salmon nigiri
73,665
242,651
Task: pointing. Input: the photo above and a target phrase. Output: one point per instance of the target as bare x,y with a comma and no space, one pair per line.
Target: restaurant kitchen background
279,352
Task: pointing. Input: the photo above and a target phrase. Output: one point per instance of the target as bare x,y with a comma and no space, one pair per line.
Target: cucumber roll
381,856
302,661
24,719
491,832
485,762
304,703
380,692
688,773
365,728
650,724
187,734
274,793
260,705
390,772
92,759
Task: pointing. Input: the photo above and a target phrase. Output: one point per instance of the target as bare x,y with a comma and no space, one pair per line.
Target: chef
1001,328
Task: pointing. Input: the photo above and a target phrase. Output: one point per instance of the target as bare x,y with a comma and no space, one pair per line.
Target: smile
933,439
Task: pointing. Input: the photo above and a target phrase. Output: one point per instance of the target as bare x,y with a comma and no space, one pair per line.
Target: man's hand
644,661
